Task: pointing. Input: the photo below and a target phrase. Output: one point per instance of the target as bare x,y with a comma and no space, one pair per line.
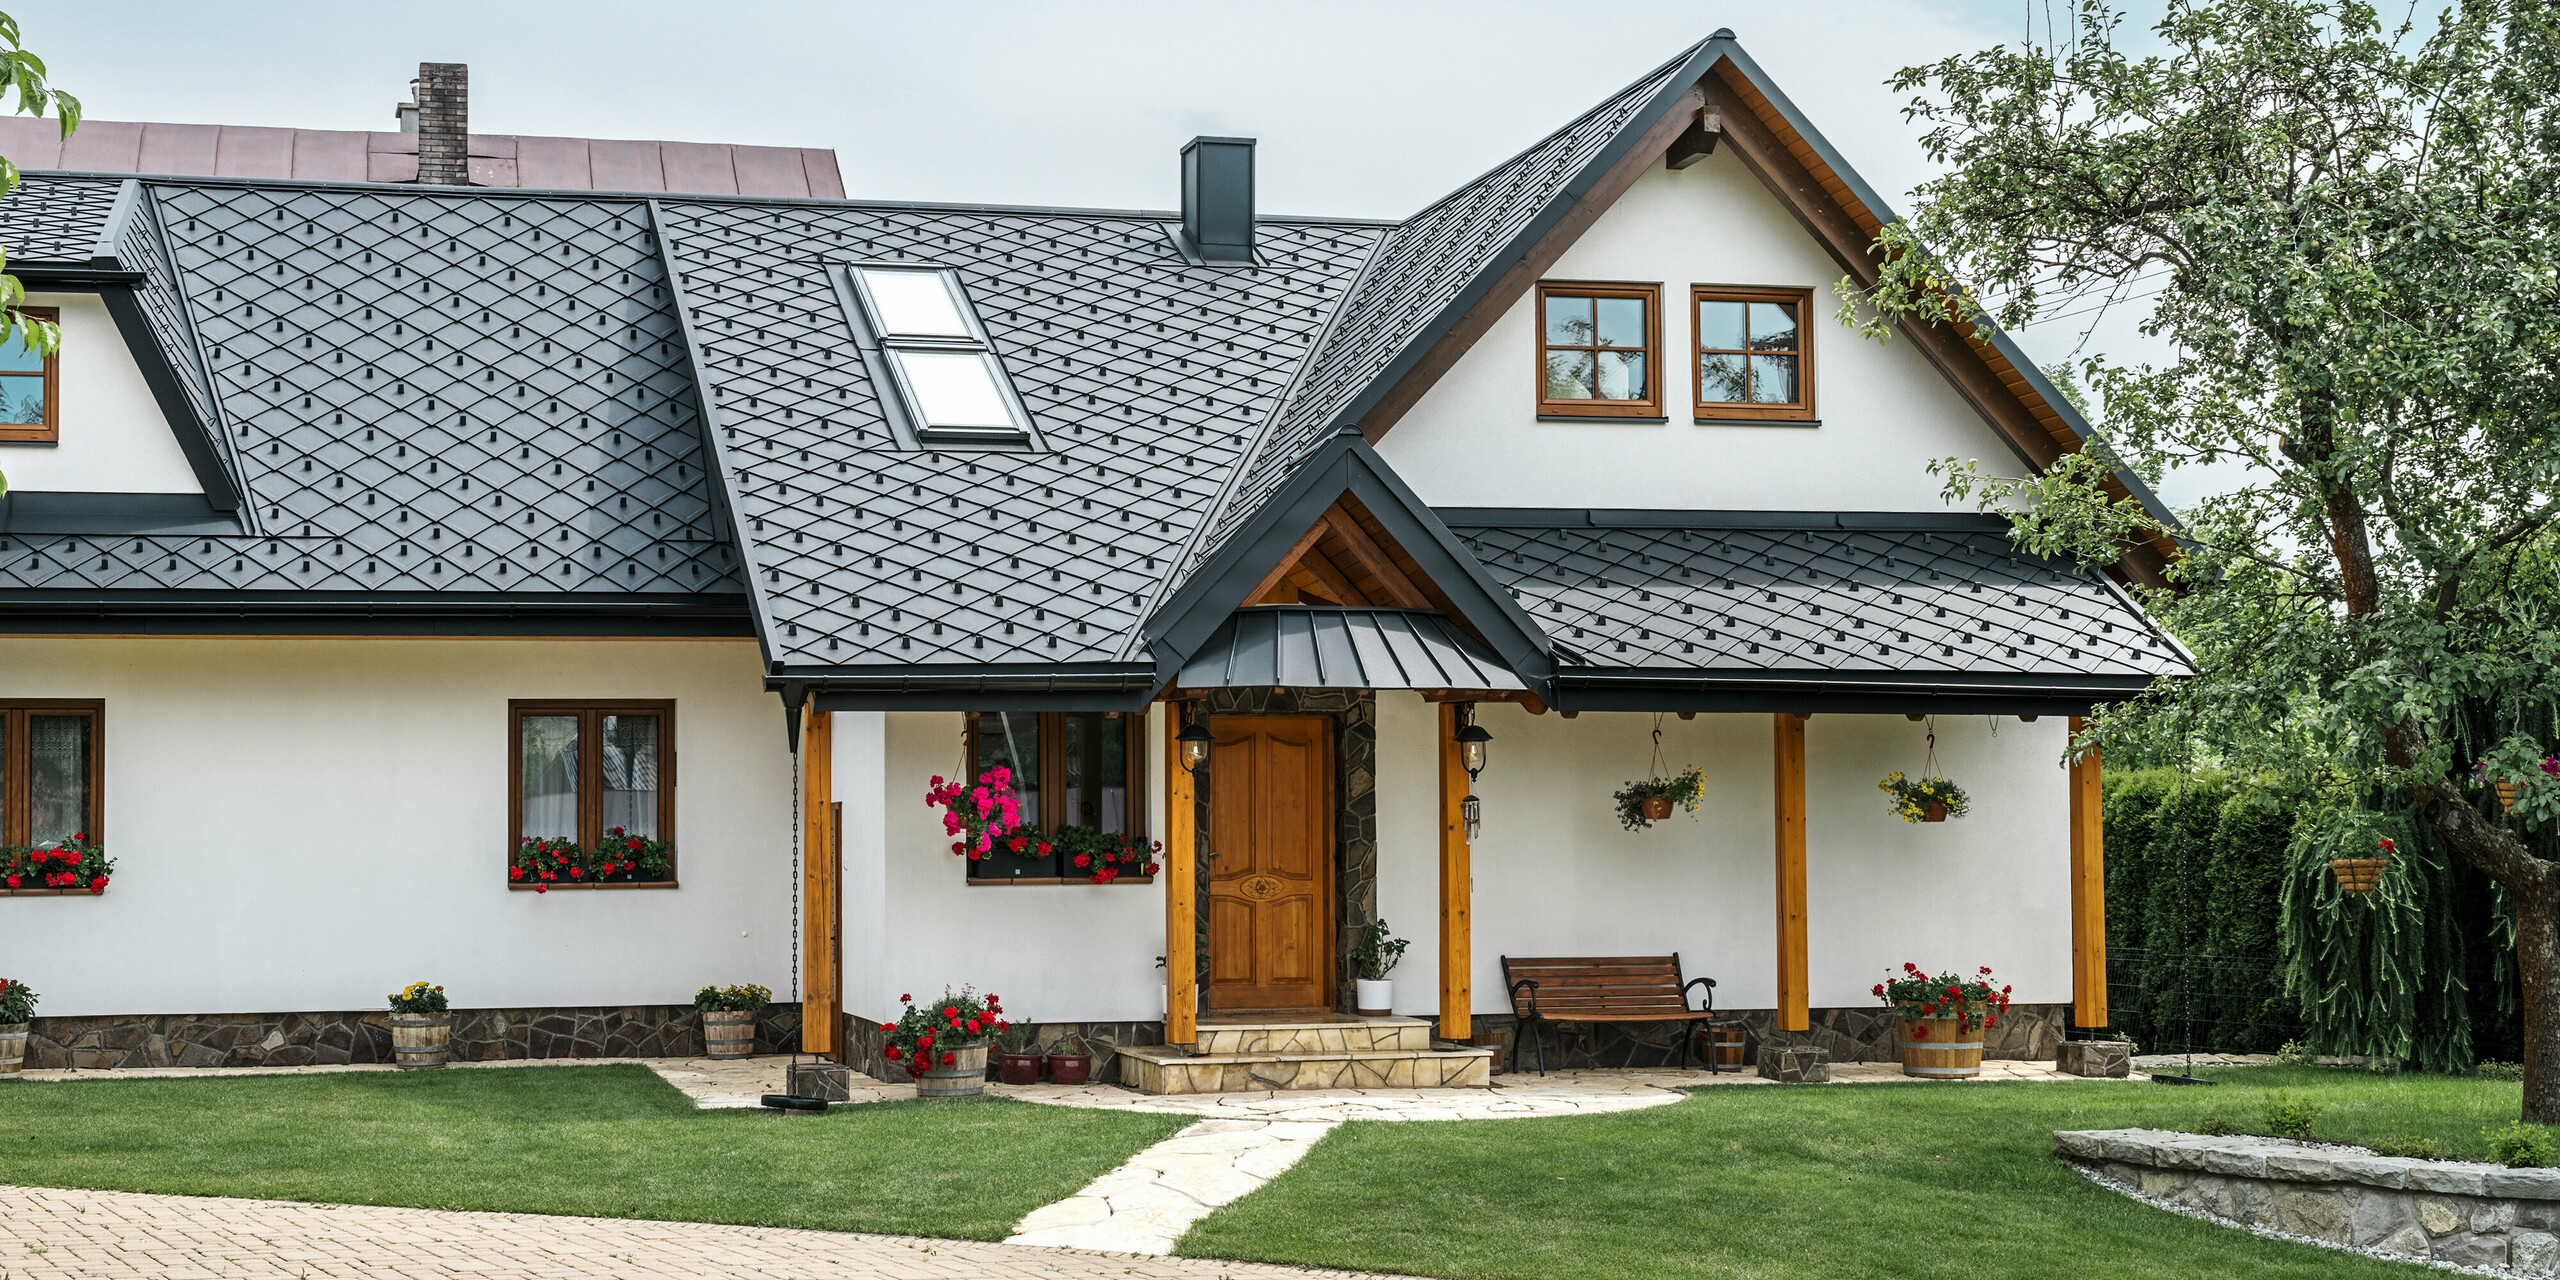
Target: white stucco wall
308,824
1556,875
114,437
913,925
1474,438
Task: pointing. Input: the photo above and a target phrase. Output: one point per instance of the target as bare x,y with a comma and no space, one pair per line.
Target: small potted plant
1926,800
1017,1056
75,865
17,1009
943,1043
729,1018
1373,958
1941,1020
421,1027
1070,1062
1642,804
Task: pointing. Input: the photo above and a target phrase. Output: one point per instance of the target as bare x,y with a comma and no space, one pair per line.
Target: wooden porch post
1794,1013
821,889
1457,888
2088,892
1181,939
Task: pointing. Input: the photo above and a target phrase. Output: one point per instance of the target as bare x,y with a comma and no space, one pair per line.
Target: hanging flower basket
1925,800
978,814
2362,875
1642,804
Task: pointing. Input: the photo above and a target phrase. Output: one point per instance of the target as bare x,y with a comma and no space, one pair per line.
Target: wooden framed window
1754,352
581,771
1078,776
30,412
53,758
1598,347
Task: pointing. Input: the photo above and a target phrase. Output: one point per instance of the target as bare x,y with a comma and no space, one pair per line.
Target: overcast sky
1365,109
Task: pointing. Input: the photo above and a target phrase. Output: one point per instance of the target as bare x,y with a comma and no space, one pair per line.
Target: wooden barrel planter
965,1076
2358,875
728,1033
1723,1047
1939,1049
13,1048
420,1040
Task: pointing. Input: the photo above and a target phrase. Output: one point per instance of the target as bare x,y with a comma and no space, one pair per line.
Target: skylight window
942,379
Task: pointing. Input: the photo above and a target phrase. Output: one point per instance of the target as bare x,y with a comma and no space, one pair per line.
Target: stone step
1347,1035
1168,1069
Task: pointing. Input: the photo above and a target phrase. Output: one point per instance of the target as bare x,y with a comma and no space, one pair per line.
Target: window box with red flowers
74,866
942,1044
1942,1019
620,860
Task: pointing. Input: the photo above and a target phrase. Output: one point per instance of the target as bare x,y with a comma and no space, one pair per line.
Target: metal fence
2193,1001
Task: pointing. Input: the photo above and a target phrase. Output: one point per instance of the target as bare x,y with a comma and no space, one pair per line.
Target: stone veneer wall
2473,1215
2030,1032
864,1039
302,1039
1355,867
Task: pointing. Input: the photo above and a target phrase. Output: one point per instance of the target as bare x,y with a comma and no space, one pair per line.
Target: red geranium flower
948,1059
1083,860
1920,1033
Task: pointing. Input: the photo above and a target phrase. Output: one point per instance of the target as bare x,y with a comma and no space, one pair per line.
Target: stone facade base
1795,1066
2030,1032
864,1039
1171,1070
303,1039
2473,1215
2103,1058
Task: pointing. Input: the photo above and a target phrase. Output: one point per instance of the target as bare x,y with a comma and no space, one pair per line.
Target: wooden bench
1548,989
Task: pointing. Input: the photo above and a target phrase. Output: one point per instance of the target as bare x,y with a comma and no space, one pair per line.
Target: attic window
1596,345
948,380
28,410
1754,353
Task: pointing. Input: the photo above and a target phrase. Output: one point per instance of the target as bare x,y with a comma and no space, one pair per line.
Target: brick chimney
444,123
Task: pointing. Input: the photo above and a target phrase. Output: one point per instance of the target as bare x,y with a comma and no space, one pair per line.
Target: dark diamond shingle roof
1146,378
1685,591
56,220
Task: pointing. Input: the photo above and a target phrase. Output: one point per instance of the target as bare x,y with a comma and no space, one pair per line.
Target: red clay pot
1018,1068
1936,813
1067,1068
1656,808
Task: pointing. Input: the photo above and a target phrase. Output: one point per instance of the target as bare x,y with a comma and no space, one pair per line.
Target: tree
2348,233
22,75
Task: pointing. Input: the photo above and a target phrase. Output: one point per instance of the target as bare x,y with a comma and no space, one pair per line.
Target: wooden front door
1270,847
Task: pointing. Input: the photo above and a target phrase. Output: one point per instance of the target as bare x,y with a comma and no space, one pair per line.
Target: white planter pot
1377,998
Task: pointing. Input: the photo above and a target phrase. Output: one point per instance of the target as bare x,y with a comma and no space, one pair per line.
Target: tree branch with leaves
23,87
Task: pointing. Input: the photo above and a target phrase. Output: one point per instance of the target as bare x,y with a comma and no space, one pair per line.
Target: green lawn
1944,1182
606,1141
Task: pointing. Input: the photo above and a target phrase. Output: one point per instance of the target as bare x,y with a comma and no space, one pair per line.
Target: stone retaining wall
2476,1215
302,1039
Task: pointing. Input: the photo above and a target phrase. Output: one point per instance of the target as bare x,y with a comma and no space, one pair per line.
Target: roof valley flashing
564,403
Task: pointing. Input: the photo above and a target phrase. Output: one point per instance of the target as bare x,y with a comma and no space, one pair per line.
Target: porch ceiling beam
2088,892
1331,577
1288,561
1794,1012
1374,558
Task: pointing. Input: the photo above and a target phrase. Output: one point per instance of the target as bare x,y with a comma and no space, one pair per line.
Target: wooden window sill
514,887
1058,880
1757,422
12,437
1597,417
49,893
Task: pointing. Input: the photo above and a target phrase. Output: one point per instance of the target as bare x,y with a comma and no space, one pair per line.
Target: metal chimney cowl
444,124
1217,200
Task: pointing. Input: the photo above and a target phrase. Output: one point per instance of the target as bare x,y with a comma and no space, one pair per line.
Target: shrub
17,1003
2288,1117
2500,1071
746,997
2521,1146
2216,1125
418,997
2410,1147
2294,1053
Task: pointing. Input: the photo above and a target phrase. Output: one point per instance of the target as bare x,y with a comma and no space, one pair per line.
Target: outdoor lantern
1471,739
1195,744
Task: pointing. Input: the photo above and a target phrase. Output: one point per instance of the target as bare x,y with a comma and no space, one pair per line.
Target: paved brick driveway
48,1235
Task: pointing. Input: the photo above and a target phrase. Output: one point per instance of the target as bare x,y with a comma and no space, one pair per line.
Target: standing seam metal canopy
1306,647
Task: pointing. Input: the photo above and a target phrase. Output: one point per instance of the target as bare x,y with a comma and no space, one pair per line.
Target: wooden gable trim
1515,281
1353,560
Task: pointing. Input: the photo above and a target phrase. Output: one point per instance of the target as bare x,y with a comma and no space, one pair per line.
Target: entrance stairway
1239,1054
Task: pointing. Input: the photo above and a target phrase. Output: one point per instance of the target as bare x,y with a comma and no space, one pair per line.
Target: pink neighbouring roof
351,155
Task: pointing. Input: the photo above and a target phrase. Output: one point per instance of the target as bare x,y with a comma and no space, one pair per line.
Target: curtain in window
1012,739
631,774
57,777
1097,772
550,763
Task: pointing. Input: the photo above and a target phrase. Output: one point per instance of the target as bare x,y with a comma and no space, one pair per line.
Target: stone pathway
49,1234
1144,1206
